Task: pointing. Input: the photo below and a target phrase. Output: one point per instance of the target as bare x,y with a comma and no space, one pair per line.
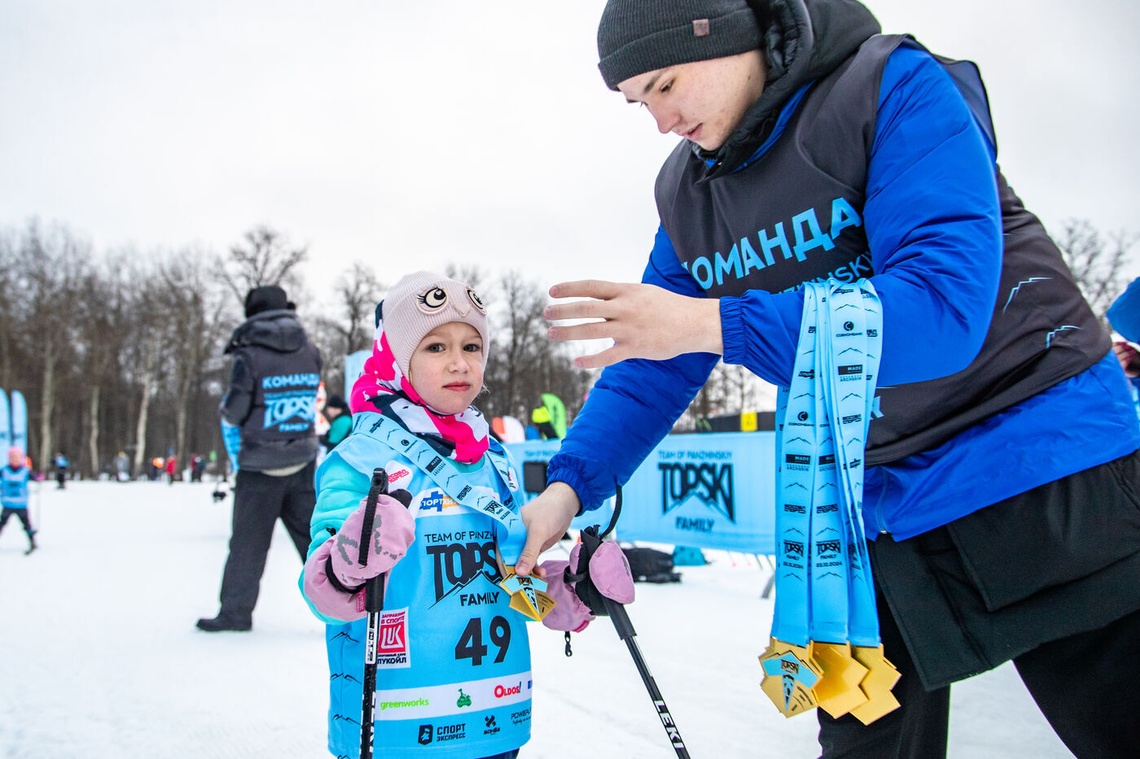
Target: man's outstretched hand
643,321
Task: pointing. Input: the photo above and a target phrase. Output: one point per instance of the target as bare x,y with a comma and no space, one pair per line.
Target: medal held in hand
825,649
528,596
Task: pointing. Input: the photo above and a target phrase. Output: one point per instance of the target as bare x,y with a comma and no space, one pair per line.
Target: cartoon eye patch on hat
434,299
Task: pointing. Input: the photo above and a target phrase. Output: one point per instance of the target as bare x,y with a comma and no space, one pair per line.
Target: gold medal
521,604
880,678
528,595
789,677
838,691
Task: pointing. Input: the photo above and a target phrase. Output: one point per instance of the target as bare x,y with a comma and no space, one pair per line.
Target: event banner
713,490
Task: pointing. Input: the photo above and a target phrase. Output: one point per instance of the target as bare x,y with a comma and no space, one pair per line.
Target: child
454,659
14,493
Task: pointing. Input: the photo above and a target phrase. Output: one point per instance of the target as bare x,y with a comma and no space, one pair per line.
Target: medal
881,677
789,677
838,691
528,594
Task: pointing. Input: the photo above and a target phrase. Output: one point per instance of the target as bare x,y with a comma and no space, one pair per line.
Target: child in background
340,421
14,493
454,658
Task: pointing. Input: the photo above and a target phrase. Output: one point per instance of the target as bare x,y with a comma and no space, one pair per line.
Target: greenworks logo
404,704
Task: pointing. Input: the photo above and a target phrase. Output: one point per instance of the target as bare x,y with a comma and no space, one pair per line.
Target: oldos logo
502,691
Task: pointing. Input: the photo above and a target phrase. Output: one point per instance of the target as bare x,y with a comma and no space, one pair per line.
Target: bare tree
193,333
53,264
1097,261
730,389
148,341
102,311
517,339
522,363
265,257
9,299
350,330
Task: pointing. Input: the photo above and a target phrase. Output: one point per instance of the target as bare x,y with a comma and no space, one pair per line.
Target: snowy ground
99,657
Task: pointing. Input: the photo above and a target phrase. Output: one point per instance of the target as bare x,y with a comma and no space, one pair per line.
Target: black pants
1060,567
1082,684
259,501
22,515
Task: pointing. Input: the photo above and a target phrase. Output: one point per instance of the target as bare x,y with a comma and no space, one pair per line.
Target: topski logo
281,407
711,484
457,565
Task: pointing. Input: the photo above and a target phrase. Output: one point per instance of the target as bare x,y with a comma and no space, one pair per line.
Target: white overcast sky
413,134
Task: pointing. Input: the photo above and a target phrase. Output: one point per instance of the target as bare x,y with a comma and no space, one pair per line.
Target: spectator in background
61,467
1124,316
272,401
1124,313
340,421
197,467
122,467
541,418
14,493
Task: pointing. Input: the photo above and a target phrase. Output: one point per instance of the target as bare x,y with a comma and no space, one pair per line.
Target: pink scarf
383,388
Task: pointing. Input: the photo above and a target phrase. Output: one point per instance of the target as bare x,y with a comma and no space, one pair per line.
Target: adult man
816,148
272,399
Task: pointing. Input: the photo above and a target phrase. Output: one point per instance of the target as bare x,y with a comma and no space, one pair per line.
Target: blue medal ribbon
824,591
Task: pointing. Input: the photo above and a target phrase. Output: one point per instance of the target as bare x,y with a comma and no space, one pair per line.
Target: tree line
121,350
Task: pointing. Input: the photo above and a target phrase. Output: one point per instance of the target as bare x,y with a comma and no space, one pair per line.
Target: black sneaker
221,624
31,548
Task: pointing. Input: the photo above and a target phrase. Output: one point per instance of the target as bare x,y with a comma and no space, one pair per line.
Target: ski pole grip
379,486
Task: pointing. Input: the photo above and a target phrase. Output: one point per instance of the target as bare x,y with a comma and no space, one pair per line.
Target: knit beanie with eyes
422,301
637,36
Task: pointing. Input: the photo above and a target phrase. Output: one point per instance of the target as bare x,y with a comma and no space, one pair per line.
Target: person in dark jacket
999,515
272,400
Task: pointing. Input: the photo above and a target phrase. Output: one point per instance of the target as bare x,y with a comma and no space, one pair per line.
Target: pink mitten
569,613
393,530
609,570
327,597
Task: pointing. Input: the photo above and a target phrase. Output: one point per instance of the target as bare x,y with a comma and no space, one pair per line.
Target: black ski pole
373,604
591,540
626,632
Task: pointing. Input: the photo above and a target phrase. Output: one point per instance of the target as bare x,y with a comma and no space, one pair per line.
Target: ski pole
373,604
591,540
626,632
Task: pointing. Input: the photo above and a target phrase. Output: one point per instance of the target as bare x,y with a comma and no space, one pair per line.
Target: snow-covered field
100,659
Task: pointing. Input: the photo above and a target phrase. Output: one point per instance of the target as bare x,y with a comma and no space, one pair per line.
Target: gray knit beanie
636,36
422,301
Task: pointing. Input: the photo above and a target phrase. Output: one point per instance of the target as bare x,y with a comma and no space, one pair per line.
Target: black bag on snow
650,565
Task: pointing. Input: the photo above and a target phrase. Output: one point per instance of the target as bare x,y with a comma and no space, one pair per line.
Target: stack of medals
825,649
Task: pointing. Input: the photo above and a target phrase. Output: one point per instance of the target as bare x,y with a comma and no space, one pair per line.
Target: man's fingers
589,331
586,288
601,360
